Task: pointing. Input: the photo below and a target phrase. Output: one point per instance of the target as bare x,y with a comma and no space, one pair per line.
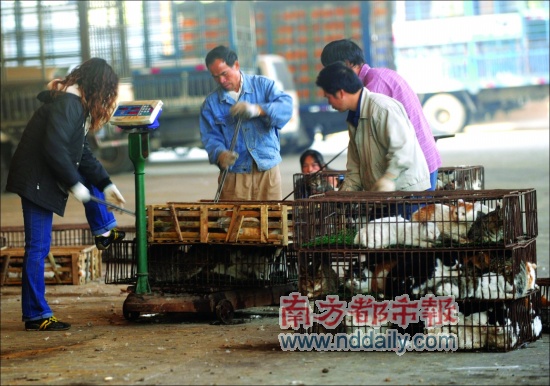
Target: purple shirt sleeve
390,83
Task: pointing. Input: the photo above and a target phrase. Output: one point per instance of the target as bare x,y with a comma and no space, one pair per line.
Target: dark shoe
104,242
48,324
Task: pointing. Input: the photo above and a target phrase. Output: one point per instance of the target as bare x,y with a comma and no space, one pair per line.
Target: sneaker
48,324
104,242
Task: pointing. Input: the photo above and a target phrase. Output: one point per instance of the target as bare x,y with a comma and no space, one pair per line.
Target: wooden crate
75,265
233,223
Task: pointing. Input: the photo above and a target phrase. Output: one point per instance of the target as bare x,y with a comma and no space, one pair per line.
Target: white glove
245,110
113,196
80,192
385,184
227,158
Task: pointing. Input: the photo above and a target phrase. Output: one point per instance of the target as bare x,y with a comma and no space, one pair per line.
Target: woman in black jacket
52,159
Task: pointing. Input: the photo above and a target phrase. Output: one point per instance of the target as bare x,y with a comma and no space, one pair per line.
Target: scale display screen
136,113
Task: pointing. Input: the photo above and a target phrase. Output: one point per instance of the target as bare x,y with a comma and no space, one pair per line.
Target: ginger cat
453,221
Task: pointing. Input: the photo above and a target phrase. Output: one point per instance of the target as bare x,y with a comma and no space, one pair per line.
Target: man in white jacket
383,152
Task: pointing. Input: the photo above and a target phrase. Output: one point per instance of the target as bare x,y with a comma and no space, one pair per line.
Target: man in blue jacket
263,108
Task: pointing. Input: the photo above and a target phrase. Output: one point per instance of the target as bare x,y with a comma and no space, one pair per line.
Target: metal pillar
138,147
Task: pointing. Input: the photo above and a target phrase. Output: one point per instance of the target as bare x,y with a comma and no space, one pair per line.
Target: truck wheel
115,159
445,113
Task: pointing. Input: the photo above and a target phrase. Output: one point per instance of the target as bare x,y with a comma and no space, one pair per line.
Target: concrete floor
103,347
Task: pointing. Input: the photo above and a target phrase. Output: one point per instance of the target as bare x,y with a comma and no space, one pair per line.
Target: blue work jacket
258,138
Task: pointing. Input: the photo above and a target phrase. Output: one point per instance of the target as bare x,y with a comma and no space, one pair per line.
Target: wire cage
121,262
62,235
483,274
461,178
306,185
495,283
203,268
444,219
495,326
207,268
206,247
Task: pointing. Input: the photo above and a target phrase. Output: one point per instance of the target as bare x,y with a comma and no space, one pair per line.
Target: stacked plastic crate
462,264
282,28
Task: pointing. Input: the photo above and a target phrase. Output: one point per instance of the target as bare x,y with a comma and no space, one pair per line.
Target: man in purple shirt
390,83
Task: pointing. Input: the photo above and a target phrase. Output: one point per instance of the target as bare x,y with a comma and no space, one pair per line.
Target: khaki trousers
255,186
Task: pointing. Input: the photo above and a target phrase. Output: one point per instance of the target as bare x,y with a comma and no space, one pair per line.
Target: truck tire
445,113
114,159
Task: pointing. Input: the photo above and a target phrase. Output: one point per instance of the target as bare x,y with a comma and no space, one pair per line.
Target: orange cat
453,221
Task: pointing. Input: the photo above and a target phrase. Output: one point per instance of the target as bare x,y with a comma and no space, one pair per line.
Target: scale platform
221,303
136,113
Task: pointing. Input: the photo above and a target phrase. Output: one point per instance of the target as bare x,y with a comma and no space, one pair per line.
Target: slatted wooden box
227,222
74,265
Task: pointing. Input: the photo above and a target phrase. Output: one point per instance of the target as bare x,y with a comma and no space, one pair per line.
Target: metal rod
224,173
99,200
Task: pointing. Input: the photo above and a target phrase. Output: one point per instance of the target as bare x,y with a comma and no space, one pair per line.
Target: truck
21,85
176,73
466,60
45,40
158,51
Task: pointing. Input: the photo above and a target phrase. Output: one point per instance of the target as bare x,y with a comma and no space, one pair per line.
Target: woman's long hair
98,86
318,157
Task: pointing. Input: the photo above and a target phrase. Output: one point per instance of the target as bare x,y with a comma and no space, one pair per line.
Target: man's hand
385,184
113,196
227,159
245,110
80,192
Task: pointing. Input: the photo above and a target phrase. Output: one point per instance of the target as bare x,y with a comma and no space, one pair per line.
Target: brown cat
319,280
488,228
452,221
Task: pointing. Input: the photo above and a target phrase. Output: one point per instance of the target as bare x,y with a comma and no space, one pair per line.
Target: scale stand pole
138,148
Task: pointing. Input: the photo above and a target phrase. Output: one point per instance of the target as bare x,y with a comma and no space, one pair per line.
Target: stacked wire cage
206,247
306,185
472,249
462,177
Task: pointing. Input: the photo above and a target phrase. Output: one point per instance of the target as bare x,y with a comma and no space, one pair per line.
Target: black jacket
53,153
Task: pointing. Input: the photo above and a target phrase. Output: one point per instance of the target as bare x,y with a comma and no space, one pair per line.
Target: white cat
441,273
350,327
359,281
386,231
471,331
502,337
493,286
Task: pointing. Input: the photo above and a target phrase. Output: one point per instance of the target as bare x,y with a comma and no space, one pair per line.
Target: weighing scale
139,118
